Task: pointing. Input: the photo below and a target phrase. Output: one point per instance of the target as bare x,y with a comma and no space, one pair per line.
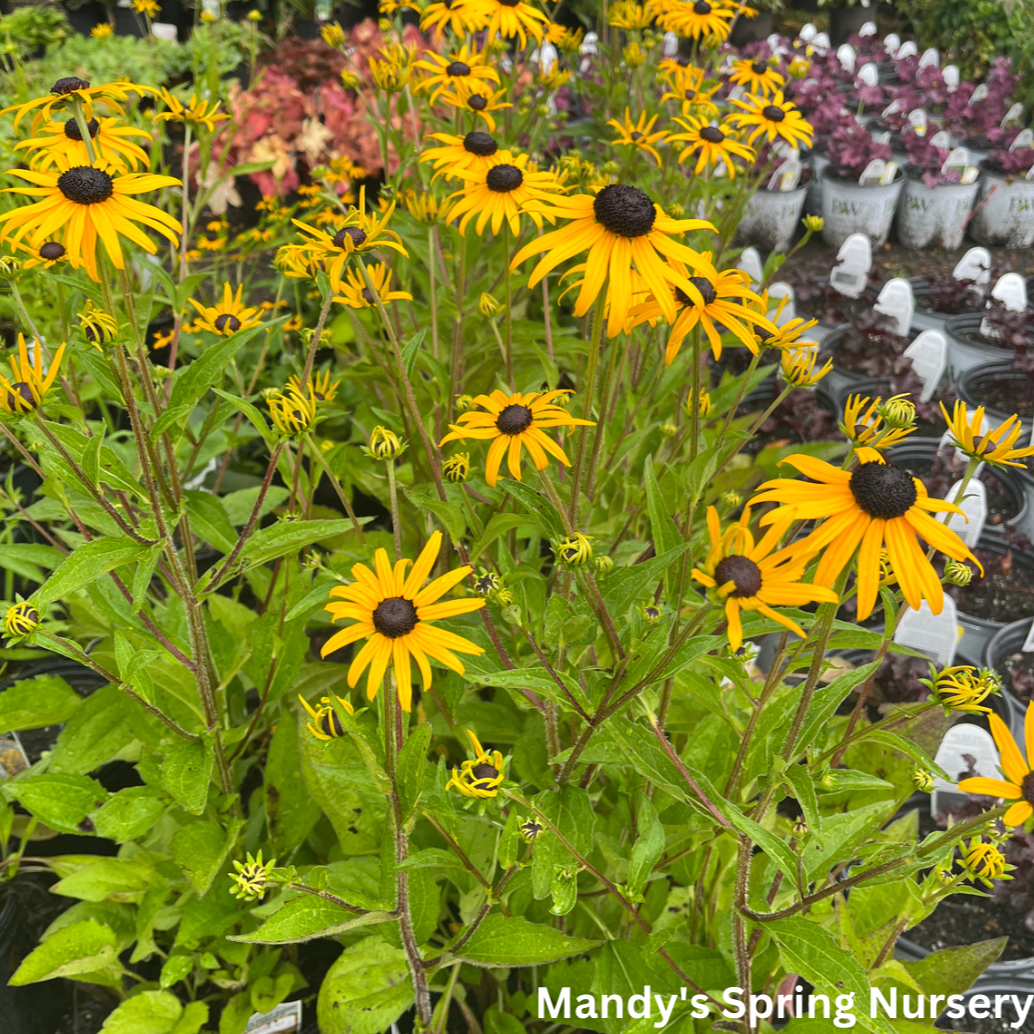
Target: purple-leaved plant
851,148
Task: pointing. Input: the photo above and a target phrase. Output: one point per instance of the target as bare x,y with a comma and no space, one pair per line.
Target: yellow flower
425,207
478,98
756,76
984,862
997,446
487,305
461,68
797,367
748,575
481,776
68,91
229,315
899,412
198,112
394,612
513,422
24,394
687,86
473,152
703,405
963,688
772,117
457,468
333,35
102,31
639,134
509,18
628,15
1018,785
325,724
292,412
21,619
864,424
356,295
99,326
462,17
633,55
698,20
385,444
320,388
711,144
574,550
148,7
251,877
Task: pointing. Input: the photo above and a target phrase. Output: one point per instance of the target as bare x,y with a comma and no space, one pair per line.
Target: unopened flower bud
814,223
800,829
732,499
385,444
487,582
603,563
574,550
487,305
457,468
898,412
922,780
957,572
669,430
703,406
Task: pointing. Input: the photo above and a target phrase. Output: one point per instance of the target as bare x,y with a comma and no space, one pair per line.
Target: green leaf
779,852
86,563
954,970
809,950
91,459
253,414
411,349
666,534
647,849
148,1012
36,703
26,558
95,733
79,948
195,1016
798,778
186,773
290,813
412,763
61,800
279,539
625,586
208,520
128,813
498,525
238,505
451,517
200,850
120,879
512,941
307,918
366,990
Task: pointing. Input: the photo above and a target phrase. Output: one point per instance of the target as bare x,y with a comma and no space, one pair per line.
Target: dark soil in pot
961,920
1000,388
1005,593
947,296
1005,654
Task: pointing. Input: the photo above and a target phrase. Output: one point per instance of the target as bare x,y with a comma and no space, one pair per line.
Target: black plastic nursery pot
967,347
846,21
751,30
1002,390
1004,654
84,16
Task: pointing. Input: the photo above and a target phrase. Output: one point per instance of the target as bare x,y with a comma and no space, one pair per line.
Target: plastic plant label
935,635
854,260
869,74
750,263
1025,138
907,49
589,44
736,93
978,95
286,1018
917,120
974,265
776,45
892,43
930,57
787,176
808,32
941,139
958,159
929,355
970,175
881,138
871,174
546,56
782,149
846,56
1014,114
868,29
891,109
821,42
974,505
781,289
1028,643
1011,291
951,77
958,741
13,758
670,47
897,301
889,172
164,31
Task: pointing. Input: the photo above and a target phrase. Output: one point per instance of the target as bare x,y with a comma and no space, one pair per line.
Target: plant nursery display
474,560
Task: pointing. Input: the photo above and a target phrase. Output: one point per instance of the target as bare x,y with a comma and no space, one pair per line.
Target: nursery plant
422,529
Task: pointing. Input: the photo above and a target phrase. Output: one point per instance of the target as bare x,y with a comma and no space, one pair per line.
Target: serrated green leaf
187,772
366,989
36,703
79,948
513,941
86,563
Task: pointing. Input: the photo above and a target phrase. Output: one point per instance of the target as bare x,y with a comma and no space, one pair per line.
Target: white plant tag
929,355
869,74
951,77
936,635
917,120
846,56
1011,291
670,47
889,172
970,175
891,109
974,265
1013,114
930,57
871,174
907,49
897,302
1028,643
820,41
786,177
164,31
941,139
781,289
808,32
750,263
978,95
881,138
286,1018
960,740
1030,173
547,57
736,93
589,44
958,159
854,260
973,505
891,43
1024,138
868,29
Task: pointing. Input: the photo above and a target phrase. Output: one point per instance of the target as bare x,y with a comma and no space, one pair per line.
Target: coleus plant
850,149
1011,163
926,160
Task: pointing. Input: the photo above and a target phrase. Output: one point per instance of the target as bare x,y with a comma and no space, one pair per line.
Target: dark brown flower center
20,396
480,144
883,490
503,178
477,102
1027,786
395,616
773,113
30,615
514,420
86,185
227,321
509,3
742,572
635,135
329,724
625,211
69,84
73,132
368,297
52,250
701,7
484,771
457,68
712,134
759,67
760,333
358,237
703,285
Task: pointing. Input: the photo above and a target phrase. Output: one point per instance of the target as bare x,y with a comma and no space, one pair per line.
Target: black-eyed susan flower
630,16
710,144
394,612
996,447
797,367
21,619
99,326
687,85
462,17
457,468
487,582
229,315
1018,785
875,506
47,255
357,295
479,99
574,550
625,233
984,862
110,141
385,444
332,34
964,688
756,76
325,724
70,91
30,382
713,298
87,202
864,424
898,412
458,68
147,7
698,400
480,776
510,18
320,387
102,31
500,193
512,423
473,152
197,111
252,877
754,575
772,117
425,206
694,20
392,70
788,332
639,134
292,412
